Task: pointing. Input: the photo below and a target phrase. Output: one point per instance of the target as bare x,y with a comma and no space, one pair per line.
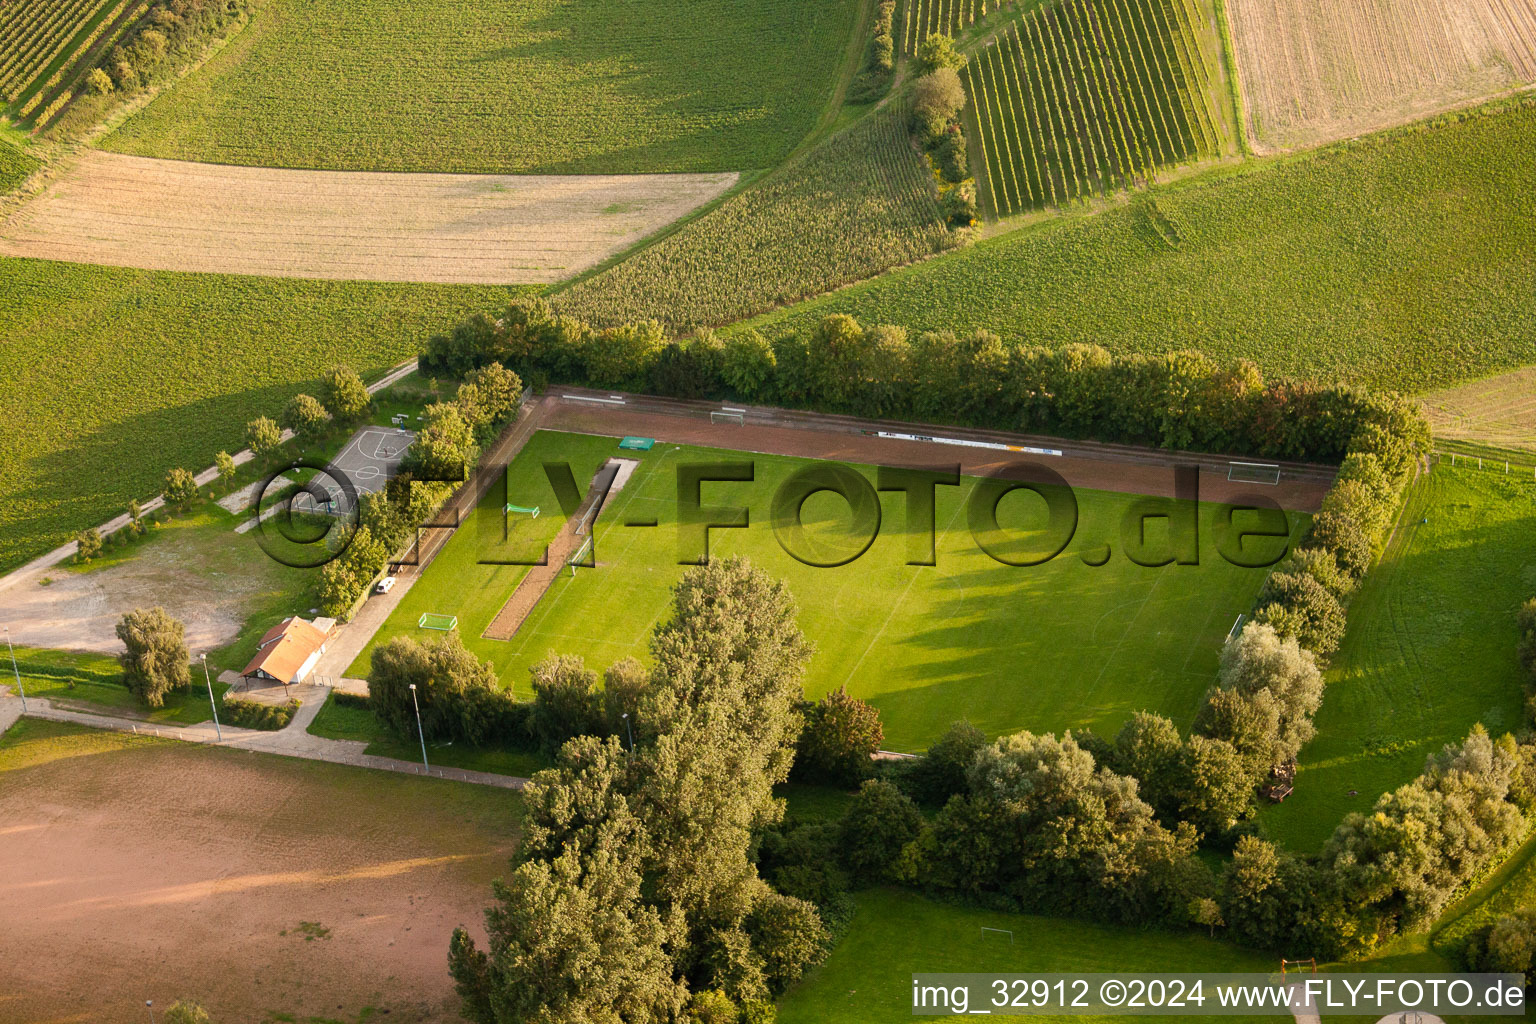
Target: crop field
1499,411
528,86
1398,261
47,46
136,869
1430,649
925,644
1091,96
1317,70
868,976
923,18
859,203
112,376
446,228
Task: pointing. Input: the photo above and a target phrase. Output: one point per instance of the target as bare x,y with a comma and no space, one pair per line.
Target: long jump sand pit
1317,70
451,228
265,888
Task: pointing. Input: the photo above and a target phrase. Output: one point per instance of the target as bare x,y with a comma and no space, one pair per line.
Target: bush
880,823
839,741
251,714
89,543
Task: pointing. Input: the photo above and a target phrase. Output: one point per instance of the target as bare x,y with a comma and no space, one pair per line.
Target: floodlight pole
419,733
19,688
209,680
631,732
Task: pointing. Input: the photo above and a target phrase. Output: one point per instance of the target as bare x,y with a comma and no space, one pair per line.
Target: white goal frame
1266,473
729,415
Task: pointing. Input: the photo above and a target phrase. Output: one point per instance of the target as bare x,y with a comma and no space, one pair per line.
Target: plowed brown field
450,228
1317,70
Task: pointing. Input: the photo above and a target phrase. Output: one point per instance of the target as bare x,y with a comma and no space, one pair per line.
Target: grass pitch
1430,649
552,86
1059,646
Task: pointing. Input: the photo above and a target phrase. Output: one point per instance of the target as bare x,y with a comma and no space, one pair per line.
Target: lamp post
209,680
630,731
419,733
19,688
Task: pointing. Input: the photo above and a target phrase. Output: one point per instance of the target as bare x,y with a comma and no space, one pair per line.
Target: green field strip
66,53
1084,120
1028,155
1021,132
1006,125
1107,104
48,37
1164,67
1126,54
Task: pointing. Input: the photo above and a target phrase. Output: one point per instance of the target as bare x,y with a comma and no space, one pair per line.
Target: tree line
1176,400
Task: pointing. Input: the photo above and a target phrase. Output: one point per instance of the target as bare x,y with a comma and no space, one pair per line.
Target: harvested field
1499,411
449,228
263,887
1317,70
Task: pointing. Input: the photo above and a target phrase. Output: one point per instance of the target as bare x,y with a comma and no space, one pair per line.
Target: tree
565,700
880,822
445,447
185,1011
180,488
226,464
455,691
345,393
88,544
839,740
938,51
570,940
306,417
940,774
748,366
262,436
155,657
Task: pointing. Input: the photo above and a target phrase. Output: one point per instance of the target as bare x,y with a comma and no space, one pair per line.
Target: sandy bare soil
1317,70
453,228
1499,411
134,870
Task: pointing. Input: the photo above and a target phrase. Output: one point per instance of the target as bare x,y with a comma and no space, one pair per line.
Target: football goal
578,559
531,513
729,415
1253,472
437,620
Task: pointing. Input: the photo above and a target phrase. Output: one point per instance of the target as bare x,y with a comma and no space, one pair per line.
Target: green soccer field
1060,646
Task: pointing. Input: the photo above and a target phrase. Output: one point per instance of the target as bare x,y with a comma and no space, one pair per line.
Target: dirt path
452,228
133,871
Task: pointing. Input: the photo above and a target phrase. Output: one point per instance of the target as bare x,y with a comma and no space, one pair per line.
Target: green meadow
1062,645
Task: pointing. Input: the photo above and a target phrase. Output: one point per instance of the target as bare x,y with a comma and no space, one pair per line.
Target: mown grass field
554,86
868,976
1058,646
113,376
1401,260
1430,649
857,204
1089,97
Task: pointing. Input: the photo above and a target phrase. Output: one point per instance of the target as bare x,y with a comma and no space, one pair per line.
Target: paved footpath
292,741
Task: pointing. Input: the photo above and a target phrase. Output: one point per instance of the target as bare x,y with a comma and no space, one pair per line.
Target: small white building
289,651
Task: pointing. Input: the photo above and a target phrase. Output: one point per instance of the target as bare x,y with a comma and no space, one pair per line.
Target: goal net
1253,472
736,416
580,558
437,620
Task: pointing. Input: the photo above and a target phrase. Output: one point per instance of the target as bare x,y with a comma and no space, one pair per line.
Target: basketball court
370,459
